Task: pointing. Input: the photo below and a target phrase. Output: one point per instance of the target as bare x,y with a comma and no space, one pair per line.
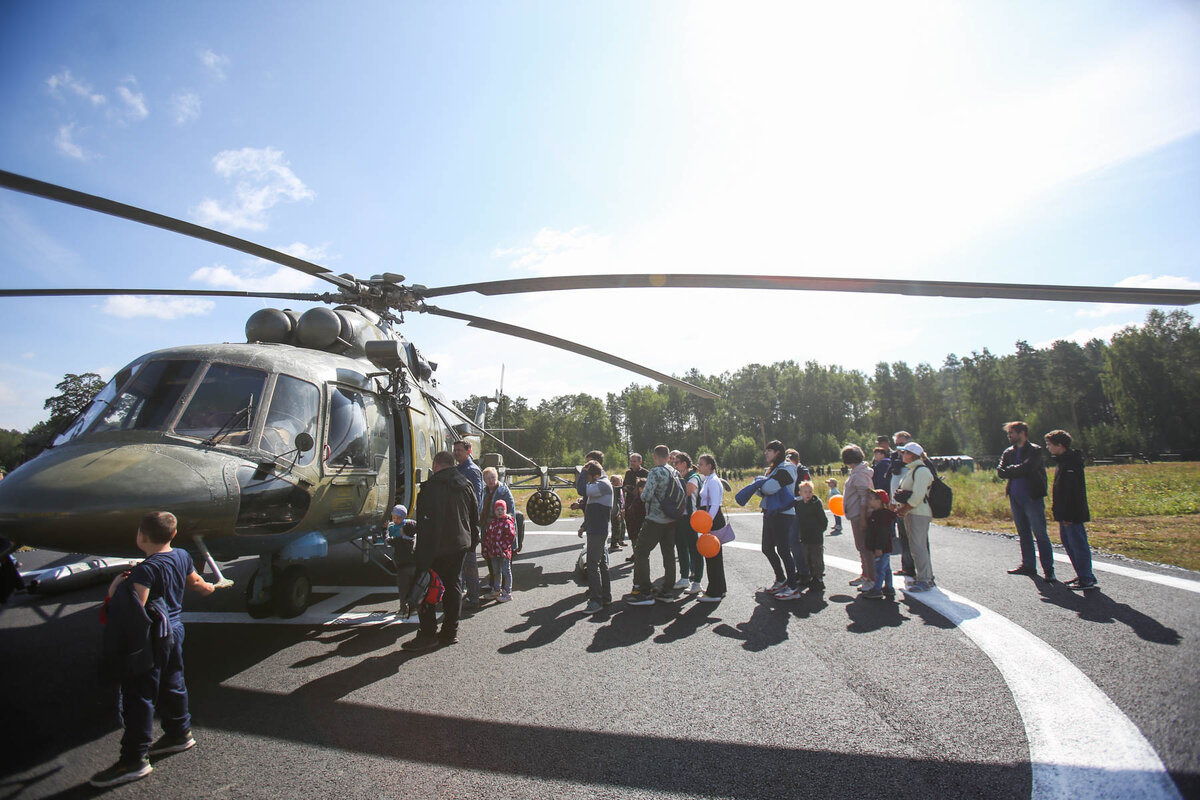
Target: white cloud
264,179
65,141
1137,282
553,252
65,80
135,102
1085,335
185,107
256,278
126,306
215,62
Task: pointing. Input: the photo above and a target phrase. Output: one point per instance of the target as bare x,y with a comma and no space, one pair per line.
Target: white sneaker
710,598
777,587
859,581
693,588
788,594
682,583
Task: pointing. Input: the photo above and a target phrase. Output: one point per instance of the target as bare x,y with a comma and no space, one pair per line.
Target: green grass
1117,490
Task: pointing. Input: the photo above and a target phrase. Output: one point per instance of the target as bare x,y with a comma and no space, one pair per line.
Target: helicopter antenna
436,402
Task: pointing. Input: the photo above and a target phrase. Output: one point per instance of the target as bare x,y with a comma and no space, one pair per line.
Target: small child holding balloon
837,518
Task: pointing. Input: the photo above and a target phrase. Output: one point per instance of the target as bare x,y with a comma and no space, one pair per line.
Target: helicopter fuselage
213,433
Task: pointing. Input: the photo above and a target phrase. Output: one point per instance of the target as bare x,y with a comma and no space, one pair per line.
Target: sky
1016,142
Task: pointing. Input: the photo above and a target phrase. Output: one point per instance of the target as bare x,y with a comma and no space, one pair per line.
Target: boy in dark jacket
159,580
1069,506
810,517
881,527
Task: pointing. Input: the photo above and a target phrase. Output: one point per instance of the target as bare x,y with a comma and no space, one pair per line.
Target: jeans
162,688
502,569
449,568
595,521
803,575
470,576
1075,541
691,565
653,535
883,571
776,548
1029,514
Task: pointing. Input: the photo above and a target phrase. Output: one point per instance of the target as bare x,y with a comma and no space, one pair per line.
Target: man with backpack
666,502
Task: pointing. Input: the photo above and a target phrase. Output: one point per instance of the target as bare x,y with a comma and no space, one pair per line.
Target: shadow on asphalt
1095,606
768,627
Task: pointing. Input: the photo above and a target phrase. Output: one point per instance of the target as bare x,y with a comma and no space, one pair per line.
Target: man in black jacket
1069,506
447,529
1023,467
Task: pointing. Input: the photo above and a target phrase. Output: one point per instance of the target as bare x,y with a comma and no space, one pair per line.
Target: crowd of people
886,503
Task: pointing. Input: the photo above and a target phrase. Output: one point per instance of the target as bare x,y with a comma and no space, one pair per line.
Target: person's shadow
687,623
1095,606
867,615
768,625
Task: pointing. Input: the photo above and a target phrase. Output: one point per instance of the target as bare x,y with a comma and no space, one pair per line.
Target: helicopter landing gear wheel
258,596
293,592
543,507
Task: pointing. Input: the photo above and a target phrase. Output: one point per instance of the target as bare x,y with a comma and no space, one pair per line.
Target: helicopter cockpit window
224,405
349,434
295,405
99,403
147,401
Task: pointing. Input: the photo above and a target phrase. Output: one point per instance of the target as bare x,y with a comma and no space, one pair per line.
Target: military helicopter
304,436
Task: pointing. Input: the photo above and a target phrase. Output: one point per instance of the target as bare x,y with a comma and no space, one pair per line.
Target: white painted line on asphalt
319,614
1080,743
1140,574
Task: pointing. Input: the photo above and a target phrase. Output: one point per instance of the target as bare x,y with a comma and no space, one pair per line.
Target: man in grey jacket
657,531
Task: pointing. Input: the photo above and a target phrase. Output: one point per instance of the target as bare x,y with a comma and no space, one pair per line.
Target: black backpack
674,499
941,496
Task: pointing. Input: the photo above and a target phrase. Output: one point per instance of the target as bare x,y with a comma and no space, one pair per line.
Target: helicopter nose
91,499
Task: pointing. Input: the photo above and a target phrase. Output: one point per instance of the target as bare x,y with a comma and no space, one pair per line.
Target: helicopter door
359,441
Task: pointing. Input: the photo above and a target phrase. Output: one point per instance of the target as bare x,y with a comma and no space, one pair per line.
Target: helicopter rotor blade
50,191
563,344
916,288
316,298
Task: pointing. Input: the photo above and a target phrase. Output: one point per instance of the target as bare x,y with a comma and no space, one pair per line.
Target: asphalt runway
991,686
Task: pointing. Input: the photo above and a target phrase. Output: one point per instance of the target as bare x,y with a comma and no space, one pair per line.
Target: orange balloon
701,521
837,505
708,545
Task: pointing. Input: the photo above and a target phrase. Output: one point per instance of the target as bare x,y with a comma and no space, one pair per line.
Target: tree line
1137,393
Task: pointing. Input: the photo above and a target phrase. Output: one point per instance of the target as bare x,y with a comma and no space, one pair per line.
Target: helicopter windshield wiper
248,411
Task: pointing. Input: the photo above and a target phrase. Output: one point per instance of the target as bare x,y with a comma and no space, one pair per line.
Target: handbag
724,533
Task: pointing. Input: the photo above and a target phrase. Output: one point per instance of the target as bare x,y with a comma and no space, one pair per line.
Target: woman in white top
912,504
711,494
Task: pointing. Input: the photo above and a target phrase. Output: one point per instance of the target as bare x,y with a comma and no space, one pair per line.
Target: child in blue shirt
159,580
